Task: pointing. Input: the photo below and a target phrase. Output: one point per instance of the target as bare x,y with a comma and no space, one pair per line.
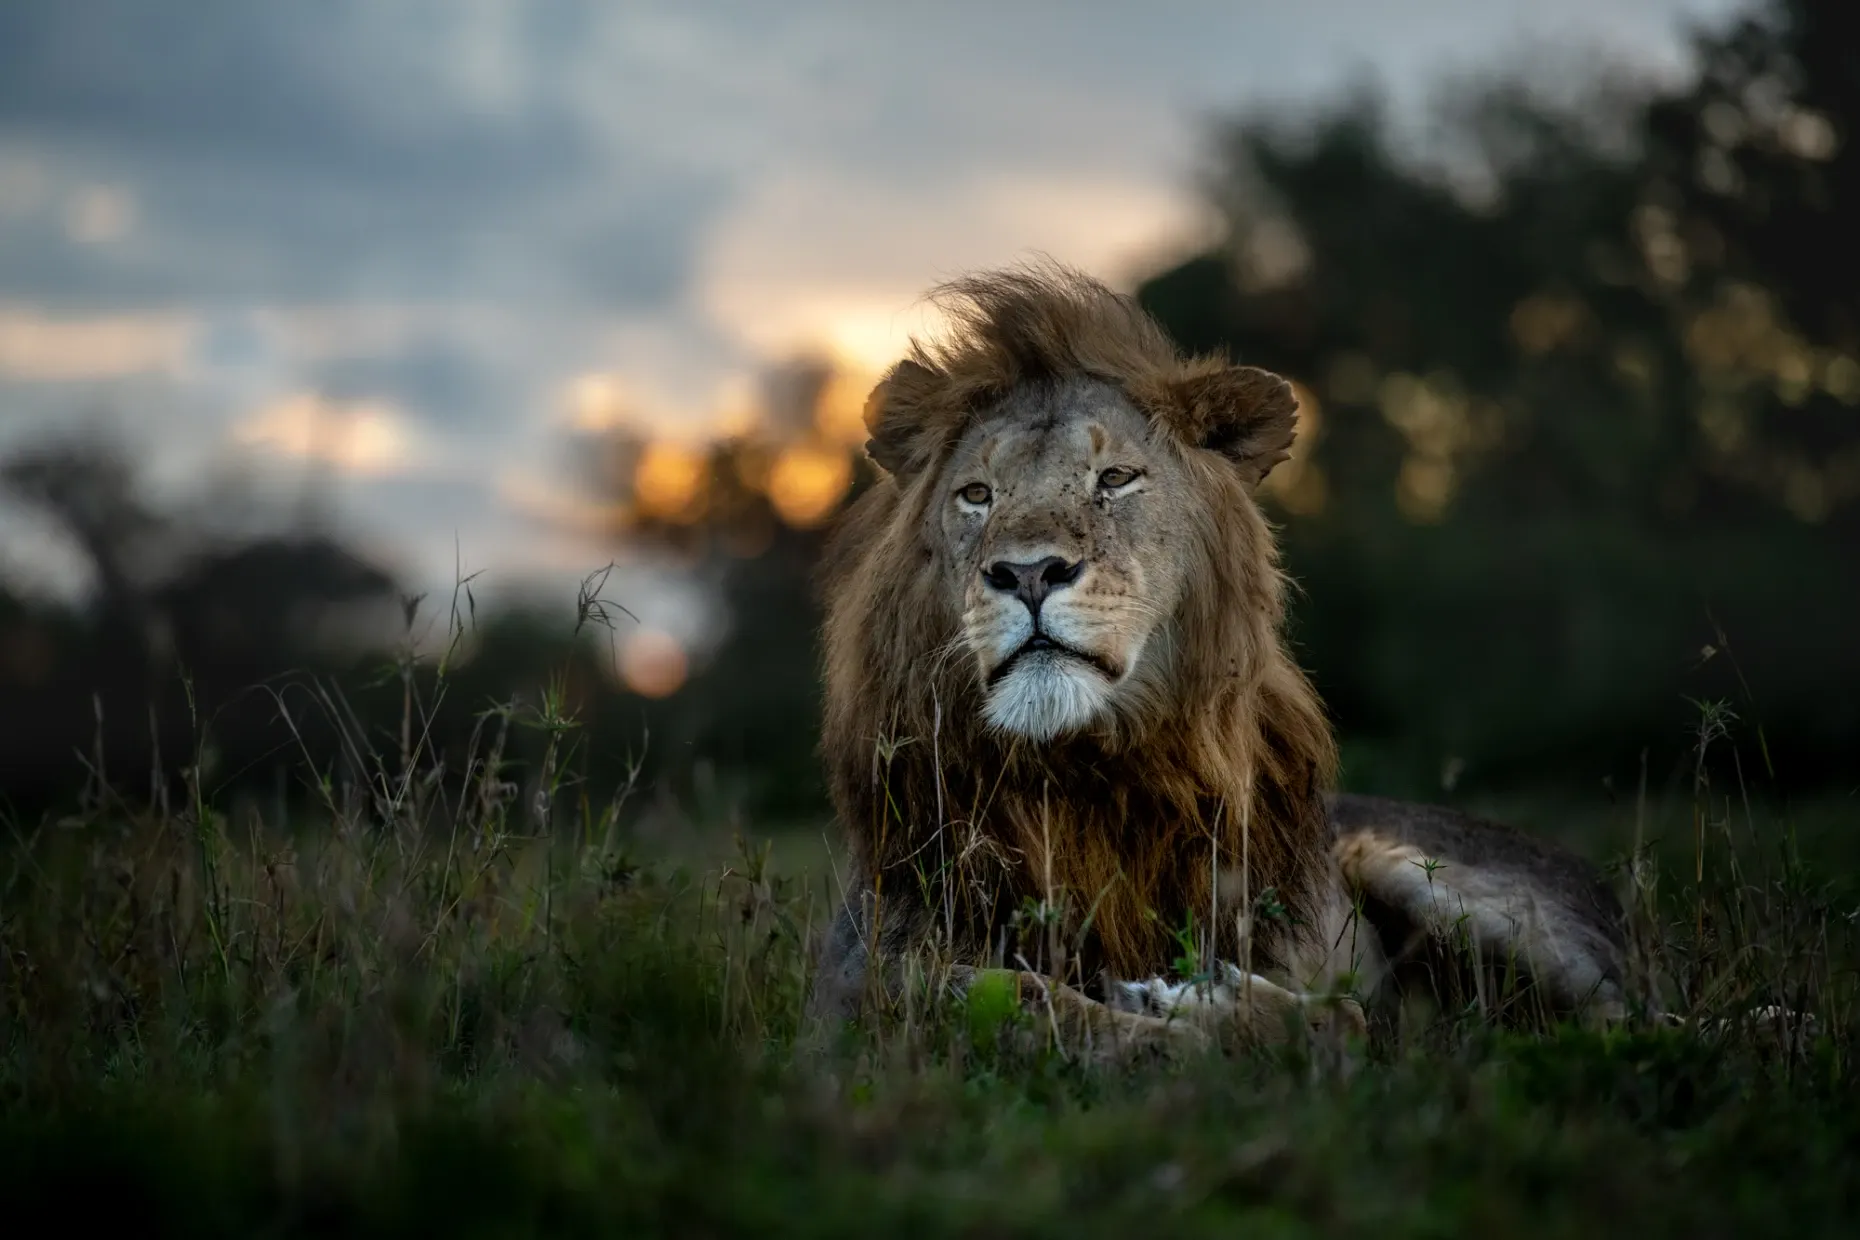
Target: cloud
436,150
366,437
100,215
436,379
420,229
35,346
824,258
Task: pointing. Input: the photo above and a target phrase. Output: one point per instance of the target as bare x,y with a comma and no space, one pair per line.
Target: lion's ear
895,416
1242,412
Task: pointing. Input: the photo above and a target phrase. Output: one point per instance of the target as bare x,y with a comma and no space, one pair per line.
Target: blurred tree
1571,420
746,512
1582,423
99,696
1746,211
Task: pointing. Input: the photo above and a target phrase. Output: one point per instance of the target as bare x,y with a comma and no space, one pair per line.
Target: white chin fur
1047,695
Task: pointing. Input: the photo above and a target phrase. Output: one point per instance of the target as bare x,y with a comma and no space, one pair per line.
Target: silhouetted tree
183,629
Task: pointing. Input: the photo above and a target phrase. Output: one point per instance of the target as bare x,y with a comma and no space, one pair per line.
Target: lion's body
1128,824
1062,729
1426,874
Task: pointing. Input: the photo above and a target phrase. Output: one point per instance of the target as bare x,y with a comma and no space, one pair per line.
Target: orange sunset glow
808,481
653,663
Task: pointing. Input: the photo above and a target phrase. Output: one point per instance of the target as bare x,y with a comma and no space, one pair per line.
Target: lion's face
1081,496
1066,529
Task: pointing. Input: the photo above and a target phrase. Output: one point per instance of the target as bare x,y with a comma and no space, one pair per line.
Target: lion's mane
1146,822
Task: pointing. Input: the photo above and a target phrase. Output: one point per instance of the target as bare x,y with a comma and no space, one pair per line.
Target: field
331,906
531,1016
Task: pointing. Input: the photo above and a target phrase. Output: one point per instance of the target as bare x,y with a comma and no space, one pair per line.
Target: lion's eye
1117,477
976,493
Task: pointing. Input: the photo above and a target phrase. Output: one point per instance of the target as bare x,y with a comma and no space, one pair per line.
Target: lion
1064,735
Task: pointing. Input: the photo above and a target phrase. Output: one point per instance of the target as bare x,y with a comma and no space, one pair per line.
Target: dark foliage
1587,438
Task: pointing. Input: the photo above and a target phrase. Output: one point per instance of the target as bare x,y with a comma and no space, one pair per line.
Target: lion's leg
1443,875
1244,1009
840,974
857,966
852,970
1504,912
860,961
1083,1025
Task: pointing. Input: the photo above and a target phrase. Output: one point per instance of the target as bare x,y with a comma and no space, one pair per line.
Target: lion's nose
1031,583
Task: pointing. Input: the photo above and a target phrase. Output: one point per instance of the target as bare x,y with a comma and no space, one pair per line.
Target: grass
456,1004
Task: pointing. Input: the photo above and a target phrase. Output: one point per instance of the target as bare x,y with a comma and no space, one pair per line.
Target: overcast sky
395,235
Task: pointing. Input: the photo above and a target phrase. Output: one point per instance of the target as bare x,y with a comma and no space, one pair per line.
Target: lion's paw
1769,1021
1244,1005
1157,996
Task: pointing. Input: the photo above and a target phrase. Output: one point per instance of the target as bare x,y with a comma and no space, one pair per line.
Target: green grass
369,1030
450,1005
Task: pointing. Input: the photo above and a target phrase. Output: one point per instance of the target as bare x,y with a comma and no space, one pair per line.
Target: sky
408,252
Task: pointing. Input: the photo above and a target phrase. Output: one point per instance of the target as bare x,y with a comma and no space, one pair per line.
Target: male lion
1064,735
